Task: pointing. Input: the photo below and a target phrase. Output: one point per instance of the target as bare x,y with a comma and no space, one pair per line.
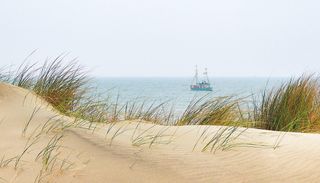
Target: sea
176,91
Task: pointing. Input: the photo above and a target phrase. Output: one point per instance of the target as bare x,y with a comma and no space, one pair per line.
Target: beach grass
62,84
215,111
294,106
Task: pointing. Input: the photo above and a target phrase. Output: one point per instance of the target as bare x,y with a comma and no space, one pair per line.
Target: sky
164,38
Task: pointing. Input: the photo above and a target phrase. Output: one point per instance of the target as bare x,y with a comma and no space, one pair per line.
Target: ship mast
196,75
206,74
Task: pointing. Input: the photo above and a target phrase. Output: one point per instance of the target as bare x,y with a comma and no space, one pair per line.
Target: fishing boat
203,85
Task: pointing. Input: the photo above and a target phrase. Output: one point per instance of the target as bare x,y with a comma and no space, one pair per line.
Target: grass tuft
294,106
216,111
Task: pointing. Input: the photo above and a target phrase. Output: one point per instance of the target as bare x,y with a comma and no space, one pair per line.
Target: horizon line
99,76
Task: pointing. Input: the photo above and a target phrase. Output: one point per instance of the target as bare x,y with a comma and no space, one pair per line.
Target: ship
201,85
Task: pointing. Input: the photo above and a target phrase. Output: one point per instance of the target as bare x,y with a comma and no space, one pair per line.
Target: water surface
178,90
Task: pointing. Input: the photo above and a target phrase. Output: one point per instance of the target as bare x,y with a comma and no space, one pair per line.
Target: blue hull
201,89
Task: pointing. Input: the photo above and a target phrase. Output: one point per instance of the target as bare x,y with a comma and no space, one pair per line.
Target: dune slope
37,144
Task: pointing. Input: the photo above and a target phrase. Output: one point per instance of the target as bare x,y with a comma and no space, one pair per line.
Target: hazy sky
166,37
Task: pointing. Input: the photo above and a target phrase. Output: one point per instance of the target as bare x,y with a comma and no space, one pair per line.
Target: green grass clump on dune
64,85
216,111
294,106
61,85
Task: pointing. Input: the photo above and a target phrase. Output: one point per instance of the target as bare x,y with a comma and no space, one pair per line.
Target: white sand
140,152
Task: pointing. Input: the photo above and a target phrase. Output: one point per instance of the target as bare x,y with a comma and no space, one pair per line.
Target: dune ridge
45,146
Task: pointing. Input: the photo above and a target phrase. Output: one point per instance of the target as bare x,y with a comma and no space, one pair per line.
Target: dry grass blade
26,148
46,154
223,139
24,76
151,139
5,162
34,112
118,132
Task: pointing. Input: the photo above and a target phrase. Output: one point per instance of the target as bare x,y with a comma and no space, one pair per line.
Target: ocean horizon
176,90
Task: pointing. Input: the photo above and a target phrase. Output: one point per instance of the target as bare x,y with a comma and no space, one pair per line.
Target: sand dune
40,145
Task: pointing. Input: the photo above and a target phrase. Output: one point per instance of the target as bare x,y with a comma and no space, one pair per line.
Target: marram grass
215,111
294,106
62,85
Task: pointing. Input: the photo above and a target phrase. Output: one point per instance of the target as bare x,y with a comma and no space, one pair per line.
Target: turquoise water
177,90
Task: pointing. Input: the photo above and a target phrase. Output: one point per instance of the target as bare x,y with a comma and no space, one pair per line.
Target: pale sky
166,37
